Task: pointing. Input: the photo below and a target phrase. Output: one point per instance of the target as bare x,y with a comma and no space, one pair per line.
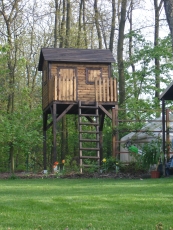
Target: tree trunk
97,24
62,30
79,24
68,24
56,23
112,26
168,5
157,8
10,18
130,18
84,25
120,54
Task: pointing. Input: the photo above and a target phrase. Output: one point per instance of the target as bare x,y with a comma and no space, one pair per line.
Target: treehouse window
66,73
92,74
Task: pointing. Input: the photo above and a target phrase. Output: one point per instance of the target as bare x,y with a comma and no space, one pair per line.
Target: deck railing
64,89
106,89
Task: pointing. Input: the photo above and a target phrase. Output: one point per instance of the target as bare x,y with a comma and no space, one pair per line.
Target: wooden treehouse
78,81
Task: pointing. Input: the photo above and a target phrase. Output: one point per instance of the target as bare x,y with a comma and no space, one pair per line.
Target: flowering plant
55,165
110,164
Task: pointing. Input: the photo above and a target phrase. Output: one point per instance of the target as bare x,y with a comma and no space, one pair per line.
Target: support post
117,134
167,134
54,133
163,133
44,142
113,133
101,121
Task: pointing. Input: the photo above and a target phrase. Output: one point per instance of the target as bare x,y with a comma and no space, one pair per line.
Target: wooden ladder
89,145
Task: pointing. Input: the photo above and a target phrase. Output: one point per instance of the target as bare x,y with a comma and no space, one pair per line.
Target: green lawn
86,204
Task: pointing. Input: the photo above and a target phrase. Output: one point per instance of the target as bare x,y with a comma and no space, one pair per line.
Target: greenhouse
134,141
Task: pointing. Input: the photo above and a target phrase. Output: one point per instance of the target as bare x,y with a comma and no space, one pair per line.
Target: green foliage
140,81
17,128
91,166
71,165
110,164
152,153
13,177
134,167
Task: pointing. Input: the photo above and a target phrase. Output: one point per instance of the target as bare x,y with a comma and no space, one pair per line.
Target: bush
133,168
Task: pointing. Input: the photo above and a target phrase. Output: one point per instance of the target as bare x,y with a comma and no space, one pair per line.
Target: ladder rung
88,115
96,149
90,132
89,157
87,107
88,166
88,123
89,140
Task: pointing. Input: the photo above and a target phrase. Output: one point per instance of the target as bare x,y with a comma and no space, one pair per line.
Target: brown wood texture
68,82
45,94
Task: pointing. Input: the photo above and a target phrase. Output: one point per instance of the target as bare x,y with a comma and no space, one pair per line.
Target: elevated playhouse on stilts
78,81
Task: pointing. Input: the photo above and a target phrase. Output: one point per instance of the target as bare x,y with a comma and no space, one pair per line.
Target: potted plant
152,154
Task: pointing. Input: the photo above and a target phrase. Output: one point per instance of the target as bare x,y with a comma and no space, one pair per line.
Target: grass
52,204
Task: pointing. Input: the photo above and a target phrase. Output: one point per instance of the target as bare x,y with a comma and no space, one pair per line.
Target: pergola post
163,133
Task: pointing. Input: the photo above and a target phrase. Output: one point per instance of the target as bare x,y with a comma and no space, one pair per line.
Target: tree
11,14
112,33
97,23
168,5
120,53
157,7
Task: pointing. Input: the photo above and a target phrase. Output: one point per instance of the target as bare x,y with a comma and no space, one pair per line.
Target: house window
92,74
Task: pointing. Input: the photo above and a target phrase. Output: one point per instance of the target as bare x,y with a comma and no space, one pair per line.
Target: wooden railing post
105,90
96,92
55,89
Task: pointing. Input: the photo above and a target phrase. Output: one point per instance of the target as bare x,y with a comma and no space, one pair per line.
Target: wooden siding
45,85
68,82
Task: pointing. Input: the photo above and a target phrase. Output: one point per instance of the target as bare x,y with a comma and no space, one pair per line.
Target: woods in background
130,30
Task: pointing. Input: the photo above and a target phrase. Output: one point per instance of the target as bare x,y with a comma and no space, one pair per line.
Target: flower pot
155,174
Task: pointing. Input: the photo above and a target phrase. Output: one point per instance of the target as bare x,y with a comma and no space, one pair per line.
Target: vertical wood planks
56,89
74,89
104,93
111,89
105,90
96,93
66,89
63,88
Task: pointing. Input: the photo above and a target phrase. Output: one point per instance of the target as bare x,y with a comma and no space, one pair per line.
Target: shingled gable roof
75,55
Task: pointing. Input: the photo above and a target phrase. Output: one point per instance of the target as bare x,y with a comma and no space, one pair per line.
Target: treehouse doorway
67,78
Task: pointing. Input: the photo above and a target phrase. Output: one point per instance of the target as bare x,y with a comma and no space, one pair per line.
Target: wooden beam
101,122
113,134
44,141
63,113
105,111
90,119
54,133
60,116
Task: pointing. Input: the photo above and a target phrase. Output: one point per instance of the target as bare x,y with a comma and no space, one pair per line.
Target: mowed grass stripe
85,204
